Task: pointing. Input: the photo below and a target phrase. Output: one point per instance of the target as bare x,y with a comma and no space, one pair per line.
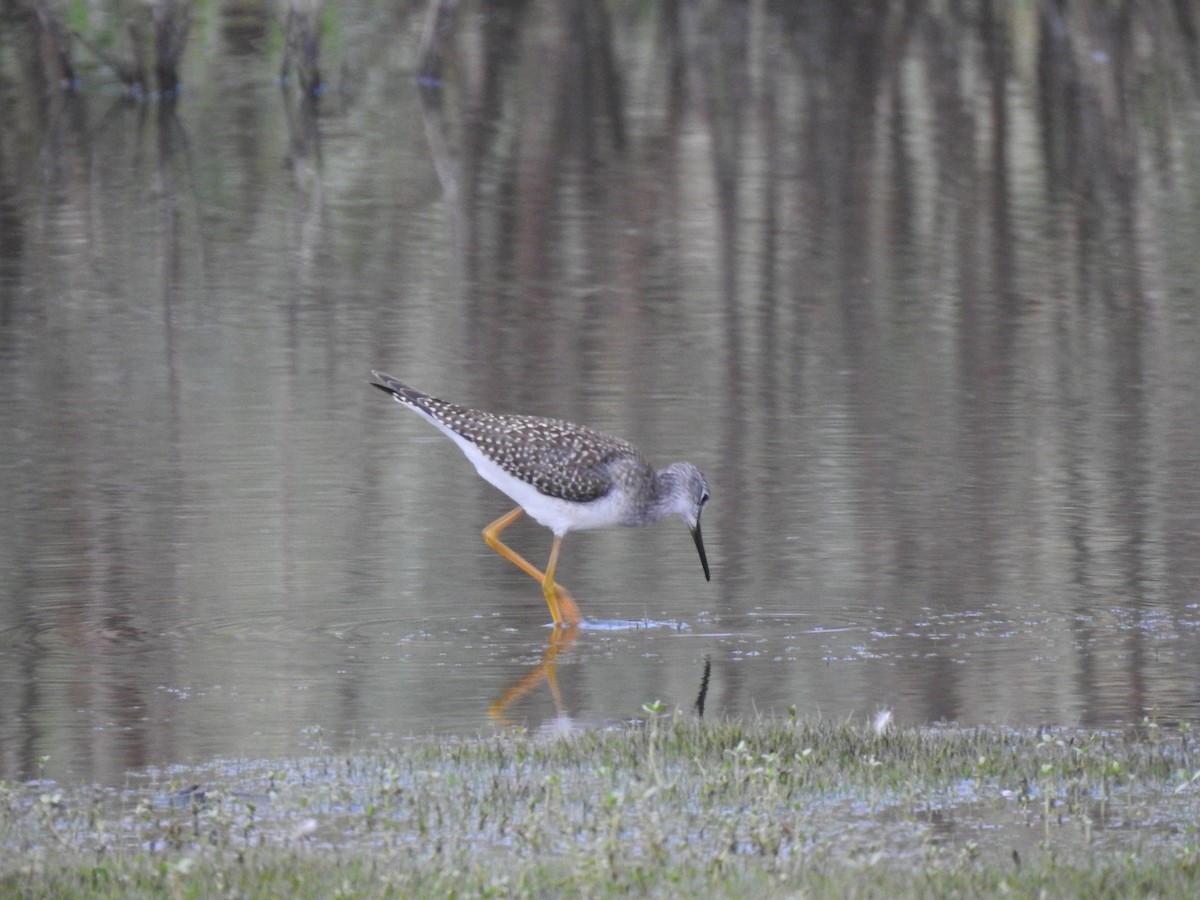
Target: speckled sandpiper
565,476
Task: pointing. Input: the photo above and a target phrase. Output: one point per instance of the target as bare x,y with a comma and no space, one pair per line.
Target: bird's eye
704,498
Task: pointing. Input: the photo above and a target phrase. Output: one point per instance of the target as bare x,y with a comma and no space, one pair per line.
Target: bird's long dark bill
700,546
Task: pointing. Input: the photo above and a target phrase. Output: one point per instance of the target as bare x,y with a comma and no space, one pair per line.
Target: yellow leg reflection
560,639
562,607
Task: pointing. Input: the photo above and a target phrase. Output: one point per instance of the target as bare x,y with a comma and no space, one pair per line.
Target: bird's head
689,496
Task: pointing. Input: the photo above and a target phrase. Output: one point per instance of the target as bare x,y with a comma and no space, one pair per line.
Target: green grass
669,807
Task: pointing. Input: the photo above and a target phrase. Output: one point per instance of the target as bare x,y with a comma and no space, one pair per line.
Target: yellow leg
550,589
562,606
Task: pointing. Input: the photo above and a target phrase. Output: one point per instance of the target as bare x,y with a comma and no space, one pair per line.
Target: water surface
916,293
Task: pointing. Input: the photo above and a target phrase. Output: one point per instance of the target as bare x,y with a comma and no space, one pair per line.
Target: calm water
917,294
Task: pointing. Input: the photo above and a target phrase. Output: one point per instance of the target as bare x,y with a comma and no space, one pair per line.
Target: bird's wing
558,458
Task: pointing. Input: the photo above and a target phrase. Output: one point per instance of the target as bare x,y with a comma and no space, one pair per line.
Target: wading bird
565,476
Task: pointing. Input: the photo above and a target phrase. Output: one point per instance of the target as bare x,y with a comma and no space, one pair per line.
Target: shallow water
925,317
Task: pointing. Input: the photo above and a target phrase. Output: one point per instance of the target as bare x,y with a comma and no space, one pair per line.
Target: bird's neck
664,497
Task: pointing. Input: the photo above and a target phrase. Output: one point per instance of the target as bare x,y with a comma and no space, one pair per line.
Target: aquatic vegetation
665,806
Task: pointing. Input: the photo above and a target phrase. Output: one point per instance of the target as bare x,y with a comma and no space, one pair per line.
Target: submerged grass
667,807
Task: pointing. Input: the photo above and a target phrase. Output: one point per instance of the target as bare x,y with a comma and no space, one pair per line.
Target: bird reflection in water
561,639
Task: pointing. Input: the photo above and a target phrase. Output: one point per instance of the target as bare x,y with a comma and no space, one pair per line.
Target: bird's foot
562,606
